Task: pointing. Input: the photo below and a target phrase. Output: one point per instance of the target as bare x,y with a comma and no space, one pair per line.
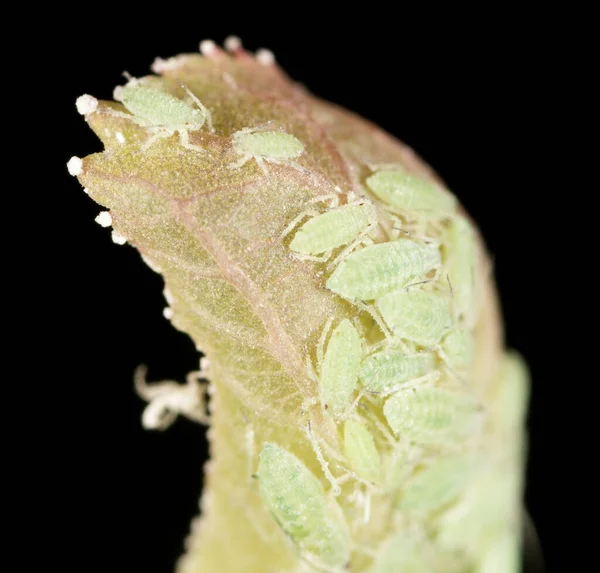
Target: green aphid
377,270
384,371
361,452
461,259
419,316
406,191
163,113
270,146
432,415
297,501
334,228
339,370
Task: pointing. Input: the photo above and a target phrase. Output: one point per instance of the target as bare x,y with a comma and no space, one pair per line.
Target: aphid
438,484
380,269
360,451
384,371
162,113
297,500
458,348
460,254
334,228
403,190
168,399
272,146
431,415
416,315
339,369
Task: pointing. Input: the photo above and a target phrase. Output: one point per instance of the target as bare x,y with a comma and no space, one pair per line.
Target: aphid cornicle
431,415
385,370
271,146
339,370
163,113
297,500
416,315
361,452
407,191
334,228
380,269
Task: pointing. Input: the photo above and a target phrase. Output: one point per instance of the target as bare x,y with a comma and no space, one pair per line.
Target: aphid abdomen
155,108
431,415
420,316
404,190
267,144
333,229
384,370
299,504
361,452
380,269
339,370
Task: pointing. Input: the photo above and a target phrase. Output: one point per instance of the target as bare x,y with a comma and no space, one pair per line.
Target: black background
472,97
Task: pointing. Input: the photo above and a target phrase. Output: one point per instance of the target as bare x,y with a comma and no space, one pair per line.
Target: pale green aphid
163,113
339,369
438,484
416,315
360,451
431,415
380,269
297,500
458,347
271,146
334,228
383,371
404,190
460,252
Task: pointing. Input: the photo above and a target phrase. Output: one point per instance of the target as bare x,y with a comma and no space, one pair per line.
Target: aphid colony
420,293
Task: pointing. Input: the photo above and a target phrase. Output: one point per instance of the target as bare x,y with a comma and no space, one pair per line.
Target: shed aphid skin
406,191
162,113
339,370
313,521
420,316
334,229
361,452
169,399
266,146
377,270
439,483
384,371
432,415
460,259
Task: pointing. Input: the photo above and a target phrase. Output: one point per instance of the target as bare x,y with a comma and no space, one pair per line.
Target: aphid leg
321,343
430,378
334,197
361,240
205,111
240,162
297,219
151,140
375,316
321,259
184,140
261,163
335,488
377,423
119,114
